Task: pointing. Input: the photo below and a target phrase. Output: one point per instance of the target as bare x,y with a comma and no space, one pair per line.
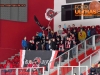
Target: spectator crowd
62,40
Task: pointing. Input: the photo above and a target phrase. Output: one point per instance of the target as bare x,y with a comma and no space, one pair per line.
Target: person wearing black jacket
31,46
58,42
58,36
36,38
93,70
70,44
53,44
98,70
76,36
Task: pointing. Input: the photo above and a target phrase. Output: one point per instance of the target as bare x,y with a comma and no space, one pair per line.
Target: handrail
72,71
22,68
88,56
30,68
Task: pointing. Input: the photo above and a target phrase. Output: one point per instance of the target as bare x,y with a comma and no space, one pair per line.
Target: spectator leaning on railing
25,43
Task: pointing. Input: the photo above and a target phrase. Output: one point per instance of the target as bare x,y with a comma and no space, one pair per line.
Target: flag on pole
50,14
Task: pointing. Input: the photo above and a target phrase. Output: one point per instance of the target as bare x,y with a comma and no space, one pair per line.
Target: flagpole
49,25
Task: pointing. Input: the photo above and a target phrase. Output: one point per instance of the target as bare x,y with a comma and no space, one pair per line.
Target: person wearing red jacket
35,70
7,67
30,64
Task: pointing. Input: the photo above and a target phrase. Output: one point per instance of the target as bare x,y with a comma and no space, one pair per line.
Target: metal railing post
0,72
30,71
86,70
90,60
79,70
43,70
68,58
93,42
77,53
59,60
16,71
99,55
58,72
85,48
49,68
79,63
72,71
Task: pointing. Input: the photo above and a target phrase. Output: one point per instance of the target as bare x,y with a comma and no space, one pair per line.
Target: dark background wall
12,33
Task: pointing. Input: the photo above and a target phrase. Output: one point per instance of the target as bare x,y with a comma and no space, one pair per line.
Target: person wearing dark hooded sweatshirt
92,31
98,70
92,70
53,44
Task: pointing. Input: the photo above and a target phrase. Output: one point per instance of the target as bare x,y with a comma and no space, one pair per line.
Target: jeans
74,50
82,43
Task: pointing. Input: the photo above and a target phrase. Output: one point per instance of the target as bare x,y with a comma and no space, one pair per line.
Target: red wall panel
11,32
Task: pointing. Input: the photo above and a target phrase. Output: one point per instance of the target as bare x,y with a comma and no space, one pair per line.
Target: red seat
35,73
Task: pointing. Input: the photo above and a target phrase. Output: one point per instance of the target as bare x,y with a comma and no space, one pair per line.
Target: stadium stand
85,48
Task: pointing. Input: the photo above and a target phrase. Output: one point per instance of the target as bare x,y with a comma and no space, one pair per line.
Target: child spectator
30,64
24,43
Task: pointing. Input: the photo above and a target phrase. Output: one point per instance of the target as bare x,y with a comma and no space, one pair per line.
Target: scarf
68,44
61,47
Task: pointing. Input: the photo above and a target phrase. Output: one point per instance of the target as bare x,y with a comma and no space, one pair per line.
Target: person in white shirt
60,30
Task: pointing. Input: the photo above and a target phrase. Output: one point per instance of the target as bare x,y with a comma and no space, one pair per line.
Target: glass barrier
91,59
72,70
22,71
75,51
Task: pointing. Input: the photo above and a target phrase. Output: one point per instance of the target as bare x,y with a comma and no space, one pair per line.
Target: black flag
38,23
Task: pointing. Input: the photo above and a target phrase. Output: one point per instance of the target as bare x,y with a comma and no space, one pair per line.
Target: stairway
12,57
